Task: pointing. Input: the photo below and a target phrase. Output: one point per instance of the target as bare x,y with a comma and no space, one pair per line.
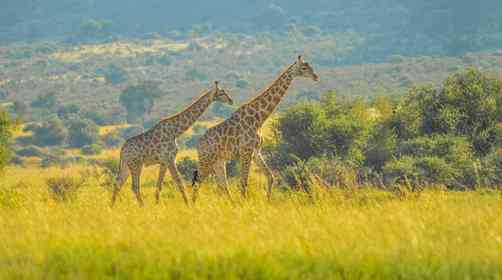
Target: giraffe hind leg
262,164
221,177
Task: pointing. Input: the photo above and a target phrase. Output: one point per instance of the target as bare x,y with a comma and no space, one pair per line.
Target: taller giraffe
158,145
239,138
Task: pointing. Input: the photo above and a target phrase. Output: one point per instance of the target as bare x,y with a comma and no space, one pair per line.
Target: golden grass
117,49
357,234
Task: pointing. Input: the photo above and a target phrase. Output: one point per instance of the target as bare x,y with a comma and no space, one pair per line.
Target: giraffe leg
245,159
121,178
136,174
260,161
160,181
220,172
179,183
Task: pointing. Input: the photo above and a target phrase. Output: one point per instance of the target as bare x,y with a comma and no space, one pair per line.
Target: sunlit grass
339,234
117,49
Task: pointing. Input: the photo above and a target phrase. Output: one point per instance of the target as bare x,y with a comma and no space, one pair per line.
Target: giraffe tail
195,178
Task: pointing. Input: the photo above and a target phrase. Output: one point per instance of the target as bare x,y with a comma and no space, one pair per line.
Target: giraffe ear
300,58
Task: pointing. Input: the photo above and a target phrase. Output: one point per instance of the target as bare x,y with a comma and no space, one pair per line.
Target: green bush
139,99
30,151
186,167
93,149
46,101
64,188
50,133
112,139
82,132
114,74
6,127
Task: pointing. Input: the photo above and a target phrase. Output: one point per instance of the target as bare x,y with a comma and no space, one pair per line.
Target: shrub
15,160
82,132
107,171
6,127
186,167
31,151
93,149
491,169
96,117
112,139
301,130
66,111
333,172
139,99
45,101
242,84
49,133
64,188
114,74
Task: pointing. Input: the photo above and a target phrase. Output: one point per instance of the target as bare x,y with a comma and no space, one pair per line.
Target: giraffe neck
266,103
185,119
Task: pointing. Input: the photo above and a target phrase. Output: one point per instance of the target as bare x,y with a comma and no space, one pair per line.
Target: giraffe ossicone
238,137
158,146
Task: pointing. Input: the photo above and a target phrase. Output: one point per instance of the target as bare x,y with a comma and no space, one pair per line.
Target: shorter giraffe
238,137
158,146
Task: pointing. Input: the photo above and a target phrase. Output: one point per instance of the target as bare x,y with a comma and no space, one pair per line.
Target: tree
49,133
6,126
82,132
139,99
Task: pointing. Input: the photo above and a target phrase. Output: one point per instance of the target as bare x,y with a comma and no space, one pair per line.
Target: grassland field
338,234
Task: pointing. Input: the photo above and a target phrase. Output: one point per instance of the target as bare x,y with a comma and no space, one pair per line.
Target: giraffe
158,146
238,137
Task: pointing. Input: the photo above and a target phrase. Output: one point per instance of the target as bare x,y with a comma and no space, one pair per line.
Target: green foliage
139,99
46,101
94,29
92,149
186,167
50,133
6,127
114,74
467,105
64,188
30,151
193,74
112,139
82,132
301,130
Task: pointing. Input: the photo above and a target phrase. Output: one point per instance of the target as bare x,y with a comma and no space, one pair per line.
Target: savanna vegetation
389,167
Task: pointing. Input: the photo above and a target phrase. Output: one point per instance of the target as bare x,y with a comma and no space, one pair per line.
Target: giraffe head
303,69
221,95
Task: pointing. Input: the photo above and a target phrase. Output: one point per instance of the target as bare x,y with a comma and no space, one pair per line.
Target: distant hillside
85,75
406,27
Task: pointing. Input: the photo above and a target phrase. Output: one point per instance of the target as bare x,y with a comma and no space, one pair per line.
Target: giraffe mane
186,108
270,85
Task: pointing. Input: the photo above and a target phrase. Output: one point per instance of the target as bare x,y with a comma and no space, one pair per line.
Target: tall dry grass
351,234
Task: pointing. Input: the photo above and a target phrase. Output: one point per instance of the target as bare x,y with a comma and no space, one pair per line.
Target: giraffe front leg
177,180
136,174
160,181
260,161
121,178
245,159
